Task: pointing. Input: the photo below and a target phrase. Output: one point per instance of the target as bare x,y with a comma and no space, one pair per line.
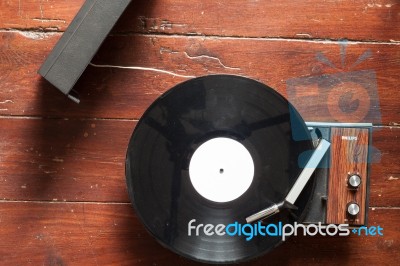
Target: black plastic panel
80,42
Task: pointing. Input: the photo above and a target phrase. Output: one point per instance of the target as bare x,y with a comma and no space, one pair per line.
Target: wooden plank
125,93
357,20
49,15
385,174
56,152
348,157
83,160
110,234
63,160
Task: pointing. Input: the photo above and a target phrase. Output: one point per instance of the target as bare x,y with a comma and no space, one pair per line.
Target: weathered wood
104,234
56,152
49,15
125,93
357,20
385,174
83,160
63,160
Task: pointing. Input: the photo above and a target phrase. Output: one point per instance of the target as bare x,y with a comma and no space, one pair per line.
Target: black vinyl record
176,125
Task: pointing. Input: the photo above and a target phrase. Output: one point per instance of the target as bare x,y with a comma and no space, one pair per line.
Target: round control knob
354,181
353,209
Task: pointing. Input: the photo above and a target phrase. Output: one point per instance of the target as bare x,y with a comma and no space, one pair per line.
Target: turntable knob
353,209
354,181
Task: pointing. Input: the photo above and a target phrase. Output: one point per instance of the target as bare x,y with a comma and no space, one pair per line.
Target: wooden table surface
62,185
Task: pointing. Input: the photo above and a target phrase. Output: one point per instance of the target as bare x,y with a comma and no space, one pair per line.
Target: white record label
221,169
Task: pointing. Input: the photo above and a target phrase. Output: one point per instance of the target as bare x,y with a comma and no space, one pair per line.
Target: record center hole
221,171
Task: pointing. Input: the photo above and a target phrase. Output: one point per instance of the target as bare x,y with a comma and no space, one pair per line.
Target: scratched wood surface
110,234
121,93
63,194
357,20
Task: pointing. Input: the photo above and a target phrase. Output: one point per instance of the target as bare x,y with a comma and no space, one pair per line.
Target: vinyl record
214,150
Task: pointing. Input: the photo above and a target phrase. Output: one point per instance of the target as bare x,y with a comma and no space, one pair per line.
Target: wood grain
348,157
49,15
385,173
285,19
63,198
64,160
121,93
110,234
83,160
356,20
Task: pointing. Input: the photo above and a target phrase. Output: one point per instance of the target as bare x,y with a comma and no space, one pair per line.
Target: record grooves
169,187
